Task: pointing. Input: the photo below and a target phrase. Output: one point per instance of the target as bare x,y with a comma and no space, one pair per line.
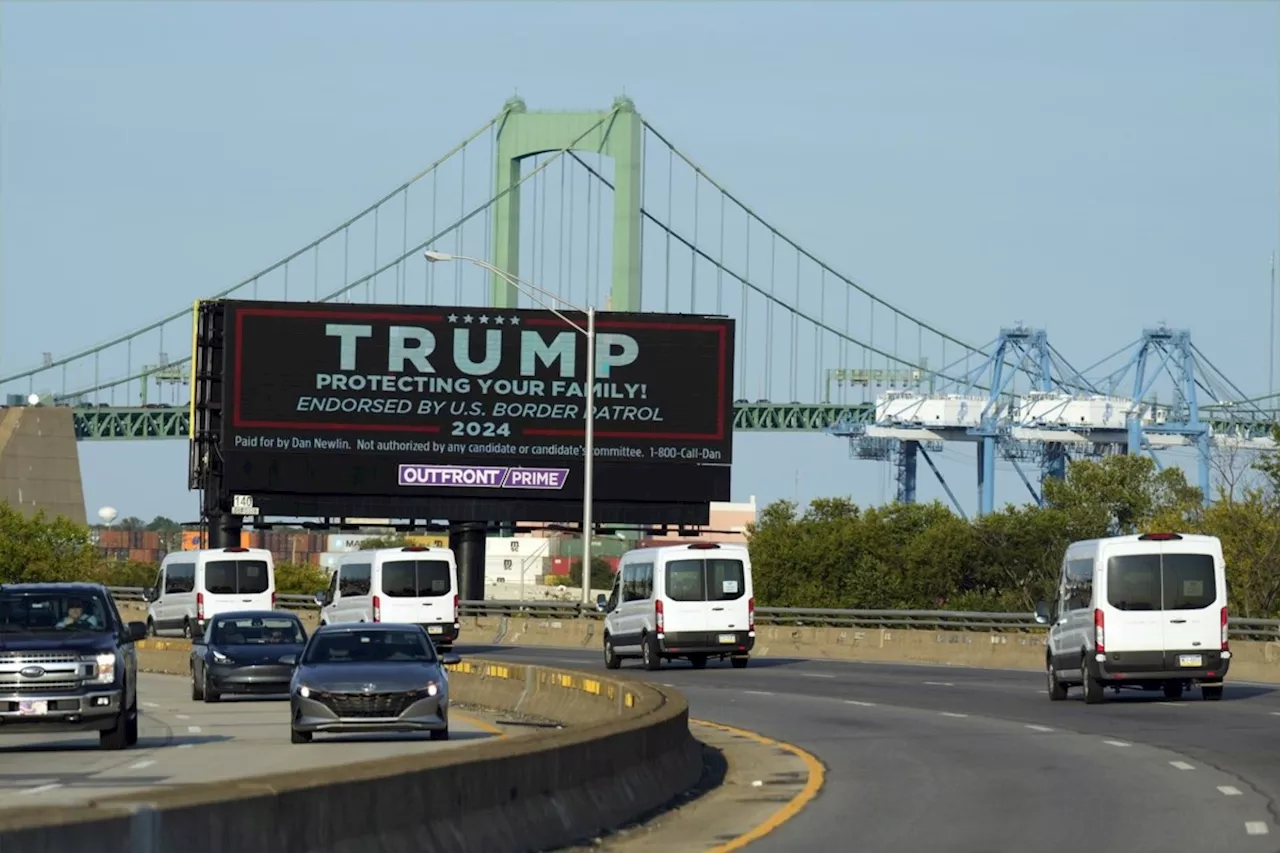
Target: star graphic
453,318
515,321
484,319
466,318
499,320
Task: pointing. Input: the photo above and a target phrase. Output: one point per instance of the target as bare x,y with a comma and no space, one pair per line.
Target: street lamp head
434,256
33,400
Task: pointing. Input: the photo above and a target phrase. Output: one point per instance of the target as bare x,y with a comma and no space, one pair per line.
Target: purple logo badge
483,476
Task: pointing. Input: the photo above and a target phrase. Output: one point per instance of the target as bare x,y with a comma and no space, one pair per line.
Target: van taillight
1099,632
657,615
751,614
377,609
273,601
457,603
200,605
1225,644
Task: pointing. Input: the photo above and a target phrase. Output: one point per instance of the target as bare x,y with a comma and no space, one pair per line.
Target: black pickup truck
67,663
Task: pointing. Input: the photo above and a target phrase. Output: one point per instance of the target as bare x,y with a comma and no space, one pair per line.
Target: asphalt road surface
182,742
953,760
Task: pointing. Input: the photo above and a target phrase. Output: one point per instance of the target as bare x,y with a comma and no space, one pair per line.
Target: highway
185,742
980,761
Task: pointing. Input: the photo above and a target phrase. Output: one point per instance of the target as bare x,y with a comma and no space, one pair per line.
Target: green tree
300,578
1121,494
601,573
163,524
389,540
131,523
34,548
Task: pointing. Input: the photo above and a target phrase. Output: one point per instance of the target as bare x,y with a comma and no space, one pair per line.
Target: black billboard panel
471,408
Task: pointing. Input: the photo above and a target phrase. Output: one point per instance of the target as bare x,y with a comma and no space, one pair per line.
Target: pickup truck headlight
104,668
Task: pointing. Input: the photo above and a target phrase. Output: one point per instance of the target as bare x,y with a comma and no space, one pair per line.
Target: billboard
471,413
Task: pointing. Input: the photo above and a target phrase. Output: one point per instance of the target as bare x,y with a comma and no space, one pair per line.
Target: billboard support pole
589,456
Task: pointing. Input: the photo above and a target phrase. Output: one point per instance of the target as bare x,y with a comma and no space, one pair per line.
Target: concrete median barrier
625,750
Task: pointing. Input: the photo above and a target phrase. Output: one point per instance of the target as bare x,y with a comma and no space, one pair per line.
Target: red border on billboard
239,422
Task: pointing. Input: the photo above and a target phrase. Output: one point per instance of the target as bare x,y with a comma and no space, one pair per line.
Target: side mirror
320,598
602,602
136,631
1042,613
148,595
289,660
450,660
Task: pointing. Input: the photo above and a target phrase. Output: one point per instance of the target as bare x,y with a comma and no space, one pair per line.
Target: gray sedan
370,677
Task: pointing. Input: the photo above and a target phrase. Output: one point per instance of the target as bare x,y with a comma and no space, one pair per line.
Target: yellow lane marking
483,726
793,807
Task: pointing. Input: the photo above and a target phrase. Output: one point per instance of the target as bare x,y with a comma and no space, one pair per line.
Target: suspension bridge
603,209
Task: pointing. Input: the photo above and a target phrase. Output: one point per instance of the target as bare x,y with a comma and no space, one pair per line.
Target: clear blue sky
1089,167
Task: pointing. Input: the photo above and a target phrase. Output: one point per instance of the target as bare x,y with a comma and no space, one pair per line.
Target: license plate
728,638
34,708
435,629
1190,660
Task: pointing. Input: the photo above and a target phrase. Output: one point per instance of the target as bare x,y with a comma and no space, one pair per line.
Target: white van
192,586
411,585
681,601
1146,611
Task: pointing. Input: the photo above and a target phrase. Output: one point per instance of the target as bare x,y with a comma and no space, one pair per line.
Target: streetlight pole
589,429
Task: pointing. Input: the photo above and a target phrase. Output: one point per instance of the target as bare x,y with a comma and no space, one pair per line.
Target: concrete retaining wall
627,751
1251,660
40,463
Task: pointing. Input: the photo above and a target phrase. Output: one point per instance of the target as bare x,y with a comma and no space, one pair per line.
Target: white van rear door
1191,621
417,591
684,600
235,583
1131,591
727,594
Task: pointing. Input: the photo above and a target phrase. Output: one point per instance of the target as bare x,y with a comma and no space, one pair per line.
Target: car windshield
22,612
256,630
381,646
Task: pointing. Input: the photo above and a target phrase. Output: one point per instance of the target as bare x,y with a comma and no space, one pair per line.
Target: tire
440,734
1172,689
611,659
739,661
197,689
650,654
1211,693
115,738
296,736
1057,690
1094,694
206,689
698,661
151,628
131,730
186,629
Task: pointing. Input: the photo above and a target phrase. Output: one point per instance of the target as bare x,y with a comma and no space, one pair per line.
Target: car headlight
304,691
432,689
219,657
104,668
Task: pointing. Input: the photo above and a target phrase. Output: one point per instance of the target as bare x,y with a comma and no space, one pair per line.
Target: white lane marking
40,789
1275,713
1039,728
952,714
758,692
1182,765
860,704
150,705
185,745
182,716
1256,827
1115,743
1229,790
816,675
139,765
1174,705
939,684
195,730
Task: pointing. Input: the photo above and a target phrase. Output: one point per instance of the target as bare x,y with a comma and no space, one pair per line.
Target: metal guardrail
944,620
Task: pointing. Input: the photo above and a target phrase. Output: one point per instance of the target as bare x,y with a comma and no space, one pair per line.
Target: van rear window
416,578
705,580
235,577
1152,582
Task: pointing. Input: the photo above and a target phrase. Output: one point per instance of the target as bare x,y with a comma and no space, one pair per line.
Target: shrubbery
836,554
